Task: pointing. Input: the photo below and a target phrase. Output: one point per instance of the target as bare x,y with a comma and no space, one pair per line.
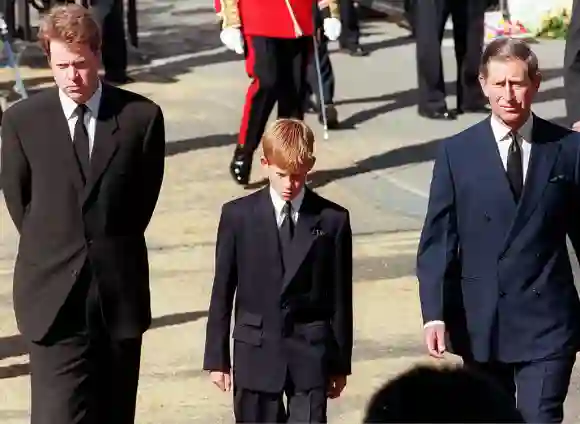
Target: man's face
75,69
510,90
286,184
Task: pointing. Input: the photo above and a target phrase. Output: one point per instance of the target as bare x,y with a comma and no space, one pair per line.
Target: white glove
232,39
332,28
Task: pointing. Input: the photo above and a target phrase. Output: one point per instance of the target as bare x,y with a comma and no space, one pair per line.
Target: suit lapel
105,143
267,232
62,141
304,236
492,172
542,159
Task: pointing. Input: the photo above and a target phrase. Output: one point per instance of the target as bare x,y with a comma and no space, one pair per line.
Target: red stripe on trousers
252,89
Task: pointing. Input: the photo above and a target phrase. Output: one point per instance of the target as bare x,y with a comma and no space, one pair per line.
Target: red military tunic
271,18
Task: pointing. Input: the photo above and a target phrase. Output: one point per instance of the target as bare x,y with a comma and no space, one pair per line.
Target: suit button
75,273
501,257
90,242
501,294
536,292
487,217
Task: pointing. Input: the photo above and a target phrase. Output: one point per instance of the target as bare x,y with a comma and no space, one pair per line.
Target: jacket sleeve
342,320
438,245
217,343
15,173
228,12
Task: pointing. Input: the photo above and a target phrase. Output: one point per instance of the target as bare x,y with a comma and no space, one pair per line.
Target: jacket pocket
248,318
248,328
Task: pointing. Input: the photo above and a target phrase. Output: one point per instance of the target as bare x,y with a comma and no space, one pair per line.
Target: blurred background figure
312,101
109,14
429,19
350,37
572,69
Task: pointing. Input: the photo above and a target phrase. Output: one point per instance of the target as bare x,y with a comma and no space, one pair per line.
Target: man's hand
435,339
336,385
323,4
576,126
221,379
232,39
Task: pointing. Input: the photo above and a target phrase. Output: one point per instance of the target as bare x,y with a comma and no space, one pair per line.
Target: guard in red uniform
276,38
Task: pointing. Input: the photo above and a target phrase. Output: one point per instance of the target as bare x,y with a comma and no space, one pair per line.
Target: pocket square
557,178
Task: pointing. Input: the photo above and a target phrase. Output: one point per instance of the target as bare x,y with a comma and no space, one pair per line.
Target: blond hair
72,24
289,145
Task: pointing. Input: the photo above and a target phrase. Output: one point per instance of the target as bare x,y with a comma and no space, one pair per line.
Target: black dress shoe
331,117
473,109
443,114
241,166
356,51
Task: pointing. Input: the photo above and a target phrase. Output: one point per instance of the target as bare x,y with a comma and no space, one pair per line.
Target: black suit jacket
63,222
295,318
496,271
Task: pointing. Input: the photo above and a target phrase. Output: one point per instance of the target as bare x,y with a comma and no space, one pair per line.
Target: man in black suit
493,264
286,254
429,19
82,167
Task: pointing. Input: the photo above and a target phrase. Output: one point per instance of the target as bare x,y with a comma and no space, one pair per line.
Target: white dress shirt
503,139
279,204
69,107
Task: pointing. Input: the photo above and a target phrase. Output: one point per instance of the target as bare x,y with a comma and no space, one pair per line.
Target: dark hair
450,394
504,49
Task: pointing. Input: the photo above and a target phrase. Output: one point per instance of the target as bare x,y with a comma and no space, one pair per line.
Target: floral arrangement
497,26
555,23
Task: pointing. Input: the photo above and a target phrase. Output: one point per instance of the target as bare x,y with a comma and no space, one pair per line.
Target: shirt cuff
431,323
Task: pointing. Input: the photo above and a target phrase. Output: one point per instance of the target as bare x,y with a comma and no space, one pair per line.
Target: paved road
378,166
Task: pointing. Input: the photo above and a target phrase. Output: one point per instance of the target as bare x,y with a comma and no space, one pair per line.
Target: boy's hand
221,379
336,385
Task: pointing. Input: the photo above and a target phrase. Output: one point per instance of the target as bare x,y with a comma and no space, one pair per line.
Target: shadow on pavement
197,143
13,346
393,158
407,98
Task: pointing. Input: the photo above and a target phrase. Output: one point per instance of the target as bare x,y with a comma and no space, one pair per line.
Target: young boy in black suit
286,254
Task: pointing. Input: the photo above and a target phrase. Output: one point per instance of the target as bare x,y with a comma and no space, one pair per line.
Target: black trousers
538,388
350,34
430,17
326,73
79,375
277,68
259,407
114,46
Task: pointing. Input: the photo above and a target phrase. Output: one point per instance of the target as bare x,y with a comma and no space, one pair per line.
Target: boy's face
286,184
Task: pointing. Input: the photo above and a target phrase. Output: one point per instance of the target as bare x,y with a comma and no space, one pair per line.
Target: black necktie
287,227
81,141
515,171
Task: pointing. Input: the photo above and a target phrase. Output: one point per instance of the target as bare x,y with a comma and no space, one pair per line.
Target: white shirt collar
69,105
279,202
501,131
